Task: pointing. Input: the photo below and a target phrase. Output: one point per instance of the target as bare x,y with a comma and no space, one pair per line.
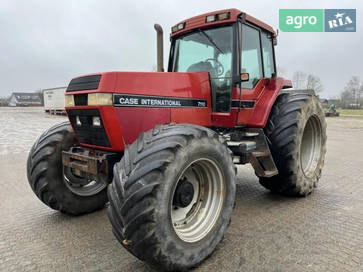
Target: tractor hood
140,84
139,102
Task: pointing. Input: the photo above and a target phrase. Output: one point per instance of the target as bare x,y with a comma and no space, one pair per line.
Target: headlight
96,121
78,121
99,99
210,18
178,27
69,100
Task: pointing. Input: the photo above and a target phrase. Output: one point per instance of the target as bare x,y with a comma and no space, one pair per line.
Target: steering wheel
217,65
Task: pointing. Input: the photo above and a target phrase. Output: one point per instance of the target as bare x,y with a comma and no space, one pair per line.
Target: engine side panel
133,121
190,93
166,84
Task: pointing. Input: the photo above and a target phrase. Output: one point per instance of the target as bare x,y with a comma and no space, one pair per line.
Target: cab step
243,146
251,147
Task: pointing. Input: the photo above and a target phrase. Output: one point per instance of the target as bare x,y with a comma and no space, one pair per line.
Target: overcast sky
43,44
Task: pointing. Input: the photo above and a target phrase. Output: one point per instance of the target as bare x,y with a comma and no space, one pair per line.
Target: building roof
27,97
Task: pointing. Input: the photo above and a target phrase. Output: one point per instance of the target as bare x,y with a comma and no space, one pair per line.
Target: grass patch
351,113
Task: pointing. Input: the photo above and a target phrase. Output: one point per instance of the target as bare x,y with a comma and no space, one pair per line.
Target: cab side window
267,52
251,56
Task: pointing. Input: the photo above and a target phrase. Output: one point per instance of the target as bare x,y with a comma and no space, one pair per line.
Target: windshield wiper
210,40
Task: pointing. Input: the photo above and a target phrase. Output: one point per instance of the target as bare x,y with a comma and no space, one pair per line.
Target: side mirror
245,77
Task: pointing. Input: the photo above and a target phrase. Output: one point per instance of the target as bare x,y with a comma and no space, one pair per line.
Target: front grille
80,99
87,133
84,83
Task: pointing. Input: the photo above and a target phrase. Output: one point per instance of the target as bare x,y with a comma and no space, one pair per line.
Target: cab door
257,59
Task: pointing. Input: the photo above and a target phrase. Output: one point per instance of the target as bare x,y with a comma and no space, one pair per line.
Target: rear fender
263,106
307,91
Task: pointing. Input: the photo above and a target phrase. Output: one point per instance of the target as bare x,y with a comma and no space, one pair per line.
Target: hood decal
127,100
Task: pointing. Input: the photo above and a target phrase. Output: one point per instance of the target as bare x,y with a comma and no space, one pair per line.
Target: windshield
208,51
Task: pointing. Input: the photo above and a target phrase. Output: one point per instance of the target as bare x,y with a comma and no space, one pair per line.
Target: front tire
51,184
172,195
296,133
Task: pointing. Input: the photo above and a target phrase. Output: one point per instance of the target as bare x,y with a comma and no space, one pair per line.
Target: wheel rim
193,222
81,186
310,149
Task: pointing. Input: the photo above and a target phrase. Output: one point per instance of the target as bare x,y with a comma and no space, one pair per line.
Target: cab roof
200,21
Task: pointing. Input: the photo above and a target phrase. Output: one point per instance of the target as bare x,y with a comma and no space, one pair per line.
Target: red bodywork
199,21
123,124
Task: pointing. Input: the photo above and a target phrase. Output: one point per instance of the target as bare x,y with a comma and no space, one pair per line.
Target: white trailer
54,101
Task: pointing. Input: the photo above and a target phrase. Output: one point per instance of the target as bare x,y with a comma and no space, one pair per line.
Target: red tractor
162,147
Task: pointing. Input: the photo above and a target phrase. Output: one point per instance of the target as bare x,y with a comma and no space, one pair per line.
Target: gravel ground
323,232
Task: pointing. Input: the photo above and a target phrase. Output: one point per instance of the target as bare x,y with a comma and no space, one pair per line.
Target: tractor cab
211,51
236,50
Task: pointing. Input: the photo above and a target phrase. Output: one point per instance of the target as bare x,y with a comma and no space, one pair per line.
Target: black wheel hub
183,194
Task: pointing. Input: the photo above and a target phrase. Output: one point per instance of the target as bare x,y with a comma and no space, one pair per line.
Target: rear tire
296,132
143,196
46,178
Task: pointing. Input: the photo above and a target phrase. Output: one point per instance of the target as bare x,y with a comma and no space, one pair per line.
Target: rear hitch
91,163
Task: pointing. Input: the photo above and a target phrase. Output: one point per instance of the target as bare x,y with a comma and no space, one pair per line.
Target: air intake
84,83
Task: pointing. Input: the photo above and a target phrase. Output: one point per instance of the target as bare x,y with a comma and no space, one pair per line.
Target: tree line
301,80
352,94
350,97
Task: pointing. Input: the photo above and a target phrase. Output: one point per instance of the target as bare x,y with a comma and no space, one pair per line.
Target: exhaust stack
159,45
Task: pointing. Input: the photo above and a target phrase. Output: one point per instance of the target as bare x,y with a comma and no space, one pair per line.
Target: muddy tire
46,177
172,196
296,132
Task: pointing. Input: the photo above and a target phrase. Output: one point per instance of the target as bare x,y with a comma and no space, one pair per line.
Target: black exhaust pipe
160,46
